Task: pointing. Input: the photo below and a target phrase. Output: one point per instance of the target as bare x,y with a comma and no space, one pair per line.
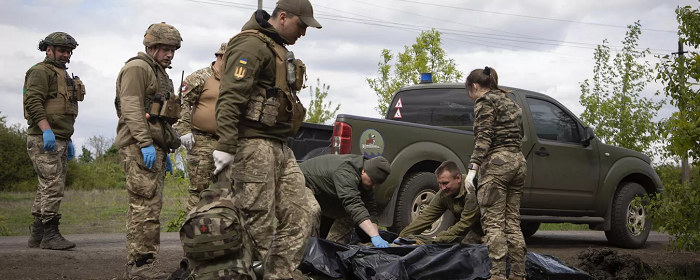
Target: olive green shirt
252,57
336,181
40,84
462,206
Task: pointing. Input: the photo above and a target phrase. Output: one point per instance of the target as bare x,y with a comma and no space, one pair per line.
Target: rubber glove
378,242
187,141
168,164
221,160
70,151
149,156
469,182
49,140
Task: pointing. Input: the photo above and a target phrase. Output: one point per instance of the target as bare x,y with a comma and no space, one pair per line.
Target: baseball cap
222,49
301,8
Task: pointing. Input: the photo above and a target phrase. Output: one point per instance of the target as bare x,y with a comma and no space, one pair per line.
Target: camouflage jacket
192,89
497,125
40,83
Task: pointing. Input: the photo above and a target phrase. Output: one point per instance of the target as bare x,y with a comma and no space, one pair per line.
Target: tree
613,106
85,156
99,144
320,112
424,56
15,164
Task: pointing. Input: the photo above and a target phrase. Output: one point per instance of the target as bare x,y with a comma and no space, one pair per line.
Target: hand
168,164
49,140
70,151
378,242
187,141
149,156
469,182
221,160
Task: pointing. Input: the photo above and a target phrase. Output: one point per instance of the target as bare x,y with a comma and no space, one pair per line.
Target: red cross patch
204,228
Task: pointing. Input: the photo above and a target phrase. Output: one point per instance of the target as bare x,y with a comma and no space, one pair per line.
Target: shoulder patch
239,74
184,87
243,61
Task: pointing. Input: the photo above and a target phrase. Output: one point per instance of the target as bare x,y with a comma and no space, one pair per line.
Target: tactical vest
268,106
70,90
204,114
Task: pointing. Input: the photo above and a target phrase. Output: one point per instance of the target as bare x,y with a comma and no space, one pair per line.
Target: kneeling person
451,197
344,185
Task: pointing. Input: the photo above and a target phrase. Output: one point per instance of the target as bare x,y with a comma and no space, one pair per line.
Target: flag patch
243,61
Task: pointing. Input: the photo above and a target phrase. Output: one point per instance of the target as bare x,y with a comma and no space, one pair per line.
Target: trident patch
239,73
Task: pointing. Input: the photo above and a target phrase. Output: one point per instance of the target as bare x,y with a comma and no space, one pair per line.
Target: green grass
563,227
88,211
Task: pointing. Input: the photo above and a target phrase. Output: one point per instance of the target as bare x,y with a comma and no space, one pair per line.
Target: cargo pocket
252,163
139,179
255,107
48,165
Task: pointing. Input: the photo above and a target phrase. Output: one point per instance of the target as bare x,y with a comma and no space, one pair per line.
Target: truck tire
415,194
629,226
529,228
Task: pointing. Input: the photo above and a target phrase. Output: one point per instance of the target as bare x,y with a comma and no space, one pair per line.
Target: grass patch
677,273
562,227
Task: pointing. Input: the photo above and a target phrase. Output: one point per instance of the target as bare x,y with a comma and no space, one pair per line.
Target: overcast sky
344,52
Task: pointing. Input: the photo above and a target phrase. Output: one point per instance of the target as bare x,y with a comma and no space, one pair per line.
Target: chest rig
279,103
70,91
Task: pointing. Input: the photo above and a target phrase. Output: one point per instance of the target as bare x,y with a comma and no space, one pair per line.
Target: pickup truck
572,177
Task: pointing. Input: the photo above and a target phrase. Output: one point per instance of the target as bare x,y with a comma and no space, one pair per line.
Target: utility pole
685,166
259,4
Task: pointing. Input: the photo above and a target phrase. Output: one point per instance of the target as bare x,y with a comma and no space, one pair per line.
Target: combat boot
36,232
497,277
52,237
515,277
146,271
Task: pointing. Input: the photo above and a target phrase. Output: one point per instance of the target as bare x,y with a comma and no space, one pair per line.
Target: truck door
564,172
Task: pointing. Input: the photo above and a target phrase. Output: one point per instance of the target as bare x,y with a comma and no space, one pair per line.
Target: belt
206,134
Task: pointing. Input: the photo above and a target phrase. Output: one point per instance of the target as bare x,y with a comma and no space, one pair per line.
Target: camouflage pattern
58,39
501,181
145,189
51,168
200,164
192,89
497,125
222,49
341,229
162,33
269,184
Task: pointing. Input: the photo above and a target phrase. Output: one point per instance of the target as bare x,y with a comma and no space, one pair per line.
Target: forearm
368,227
44,125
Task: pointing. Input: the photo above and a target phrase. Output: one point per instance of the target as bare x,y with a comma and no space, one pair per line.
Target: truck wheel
629,225
529,228
415,195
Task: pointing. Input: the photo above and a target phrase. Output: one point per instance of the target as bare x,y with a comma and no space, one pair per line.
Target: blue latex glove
168,164
49,140
378,242
70,151
149,156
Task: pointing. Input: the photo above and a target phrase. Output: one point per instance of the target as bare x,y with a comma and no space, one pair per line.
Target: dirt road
102,256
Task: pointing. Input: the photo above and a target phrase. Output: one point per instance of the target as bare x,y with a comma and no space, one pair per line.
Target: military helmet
162,33
58,39
221,50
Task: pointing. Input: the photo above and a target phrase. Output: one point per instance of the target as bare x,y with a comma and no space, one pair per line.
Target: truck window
434,106
552,123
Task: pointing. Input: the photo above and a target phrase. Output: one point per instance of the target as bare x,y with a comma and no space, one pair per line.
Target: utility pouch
170,111
155,106
255,105
298,116
172,139
79,89
270,107
299,76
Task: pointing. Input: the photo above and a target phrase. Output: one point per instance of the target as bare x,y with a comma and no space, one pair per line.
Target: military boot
515,277
497,277
146,271
52,237
36,232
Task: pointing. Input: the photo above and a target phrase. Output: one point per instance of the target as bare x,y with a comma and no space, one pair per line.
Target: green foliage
4,231
15,165
613,106
178,186
675,212
682,129
424,56
85,157
320,112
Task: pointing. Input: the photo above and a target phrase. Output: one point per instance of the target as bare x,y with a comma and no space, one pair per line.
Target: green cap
300,8
377,168
221,50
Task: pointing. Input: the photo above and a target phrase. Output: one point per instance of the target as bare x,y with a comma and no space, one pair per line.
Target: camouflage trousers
269,184
472,237
51,168
501,181
145,189
200,164
340,229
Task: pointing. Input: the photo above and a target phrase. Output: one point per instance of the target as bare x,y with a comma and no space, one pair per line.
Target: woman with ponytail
500,164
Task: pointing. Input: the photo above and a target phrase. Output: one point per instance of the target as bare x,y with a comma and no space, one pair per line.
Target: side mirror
588,135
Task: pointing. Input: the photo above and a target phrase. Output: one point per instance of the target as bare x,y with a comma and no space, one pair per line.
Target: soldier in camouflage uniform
50,106
144,137
258,108
500,164
197,124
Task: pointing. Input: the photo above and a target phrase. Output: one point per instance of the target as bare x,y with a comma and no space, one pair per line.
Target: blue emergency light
426,78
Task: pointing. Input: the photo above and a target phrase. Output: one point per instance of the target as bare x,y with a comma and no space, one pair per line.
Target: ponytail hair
485,78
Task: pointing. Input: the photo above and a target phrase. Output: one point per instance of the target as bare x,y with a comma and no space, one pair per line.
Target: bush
677,212
15,165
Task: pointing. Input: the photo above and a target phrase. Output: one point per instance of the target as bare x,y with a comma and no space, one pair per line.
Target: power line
531,17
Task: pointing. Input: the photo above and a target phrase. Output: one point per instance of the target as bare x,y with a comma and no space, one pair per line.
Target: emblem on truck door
371,143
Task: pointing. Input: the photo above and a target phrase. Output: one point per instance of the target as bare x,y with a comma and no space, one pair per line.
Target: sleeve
131,94
240,76
484,130
429,215
191,91
346,186
469,216
36,91
368,198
